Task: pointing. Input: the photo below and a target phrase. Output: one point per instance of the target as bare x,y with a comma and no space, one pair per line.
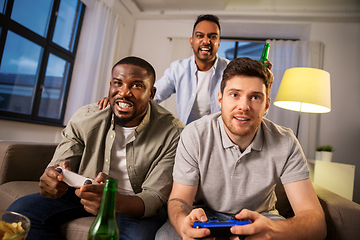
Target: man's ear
152,93
219,99
191,40
268,103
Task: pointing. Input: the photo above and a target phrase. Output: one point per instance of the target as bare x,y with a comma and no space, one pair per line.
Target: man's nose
206,40
125,91
243,104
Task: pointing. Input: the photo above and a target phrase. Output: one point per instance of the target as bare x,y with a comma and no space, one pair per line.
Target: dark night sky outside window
37,50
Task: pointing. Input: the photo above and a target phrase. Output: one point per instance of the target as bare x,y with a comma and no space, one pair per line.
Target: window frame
49,47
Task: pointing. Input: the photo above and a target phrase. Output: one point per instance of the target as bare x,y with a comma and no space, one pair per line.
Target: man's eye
256,97
214,37
137,85
234,95
199,36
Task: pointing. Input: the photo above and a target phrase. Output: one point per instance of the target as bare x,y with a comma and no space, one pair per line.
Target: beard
242,131
122,121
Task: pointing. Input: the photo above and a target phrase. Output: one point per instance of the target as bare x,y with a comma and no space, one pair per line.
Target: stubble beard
240,131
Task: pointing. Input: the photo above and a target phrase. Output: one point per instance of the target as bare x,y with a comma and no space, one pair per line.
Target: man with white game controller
227,164
134,140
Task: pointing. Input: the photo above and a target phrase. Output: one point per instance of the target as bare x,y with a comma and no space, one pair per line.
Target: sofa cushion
11,191
77,229
32,157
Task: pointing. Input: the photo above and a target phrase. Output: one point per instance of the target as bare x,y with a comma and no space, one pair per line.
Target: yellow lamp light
304,90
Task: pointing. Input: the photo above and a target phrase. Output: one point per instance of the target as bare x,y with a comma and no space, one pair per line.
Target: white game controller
73,179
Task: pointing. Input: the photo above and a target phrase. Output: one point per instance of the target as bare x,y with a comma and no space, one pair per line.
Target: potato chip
10,229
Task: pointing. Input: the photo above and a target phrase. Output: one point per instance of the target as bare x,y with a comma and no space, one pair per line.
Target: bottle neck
107,206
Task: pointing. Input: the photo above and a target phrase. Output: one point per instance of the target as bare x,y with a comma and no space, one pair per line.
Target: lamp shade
305,90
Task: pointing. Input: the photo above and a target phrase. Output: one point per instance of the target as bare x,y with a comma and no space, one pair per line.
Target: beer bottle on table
265,54
105,226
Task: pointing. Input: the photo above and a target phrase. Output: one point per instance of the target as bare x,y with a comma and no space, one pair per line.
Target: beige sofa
22,164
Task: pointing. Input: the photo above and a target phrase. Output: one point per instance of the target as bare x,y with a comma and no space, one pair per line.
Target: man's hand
103,103
260,228
91,195
51,184
270,64
187,230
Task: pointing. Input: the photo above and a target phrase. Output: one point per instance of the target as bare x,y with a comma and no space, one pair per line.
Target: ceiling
327,10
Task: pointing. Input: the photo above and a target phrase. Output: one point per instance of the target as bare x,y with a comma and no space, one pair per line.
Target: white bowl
11,217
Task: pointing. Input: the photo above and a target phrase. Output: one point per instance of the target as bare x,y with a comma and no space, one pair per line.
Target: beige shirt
88,139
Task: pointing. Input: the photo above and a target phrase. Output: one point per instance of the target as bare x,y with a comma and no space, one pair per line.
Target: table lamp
304,90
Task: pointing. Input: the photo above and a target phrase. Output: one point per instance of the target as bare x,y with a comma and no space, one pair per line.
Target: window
231,49
38,44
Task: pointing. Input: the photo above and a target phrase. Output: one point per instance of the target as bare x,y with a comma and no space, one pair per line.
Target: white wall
340,127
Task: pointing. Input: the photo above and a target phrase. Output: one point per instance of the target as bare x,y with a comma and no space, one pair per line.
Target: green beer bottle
265,54
105,226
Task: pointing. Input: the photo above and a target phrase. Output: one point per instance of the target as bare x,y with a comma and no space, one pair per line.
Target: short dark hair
136,61
245,66
207,17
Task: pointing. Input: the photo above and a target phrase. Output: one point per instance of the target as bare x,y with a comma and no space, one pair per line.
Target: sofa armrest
24,161
342,215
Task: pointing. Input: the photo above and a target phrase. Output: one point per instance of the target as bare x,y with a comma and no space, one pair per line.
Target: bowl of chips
13,226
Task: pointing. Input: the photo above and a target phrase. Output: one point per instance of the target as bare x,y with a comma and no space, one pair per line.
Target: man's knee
167,232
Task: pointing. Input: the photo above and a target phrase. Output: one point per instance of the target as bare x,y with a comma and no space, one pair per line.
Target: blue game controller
221,229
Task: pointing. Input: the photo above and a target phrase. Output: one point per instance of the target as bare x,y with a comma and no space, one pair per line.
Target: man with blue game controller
228,164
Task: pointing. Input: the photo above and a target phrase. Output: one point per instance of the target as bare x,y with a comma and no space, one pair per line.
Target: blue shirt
180,78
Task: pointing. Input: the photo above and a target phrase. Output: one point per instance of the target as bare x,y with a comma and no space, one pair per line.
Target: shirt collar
195,68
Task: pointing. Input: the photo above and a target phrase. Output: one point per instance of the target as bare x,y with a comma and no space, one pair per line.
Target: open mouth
205,49
124,106
242,119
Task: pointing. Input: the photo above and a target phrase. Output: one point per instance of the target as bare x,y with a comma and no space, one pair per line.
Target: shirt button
107,160
112,136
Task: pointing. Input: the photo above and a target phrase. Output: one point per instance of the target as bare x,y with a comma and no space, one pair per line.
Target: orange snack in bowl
8,230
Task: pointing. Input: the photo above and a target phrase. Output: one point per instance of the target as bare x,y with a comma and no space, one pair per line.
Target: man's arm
309,214
181,213
308,222
165,86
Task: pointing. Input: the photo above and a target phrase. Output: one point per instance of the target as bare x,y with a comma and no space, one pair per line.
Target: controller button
87,182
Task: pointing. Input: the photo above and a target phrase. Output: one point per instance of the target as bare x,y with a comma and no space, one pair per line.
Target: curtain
285,55
95,56
180,49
